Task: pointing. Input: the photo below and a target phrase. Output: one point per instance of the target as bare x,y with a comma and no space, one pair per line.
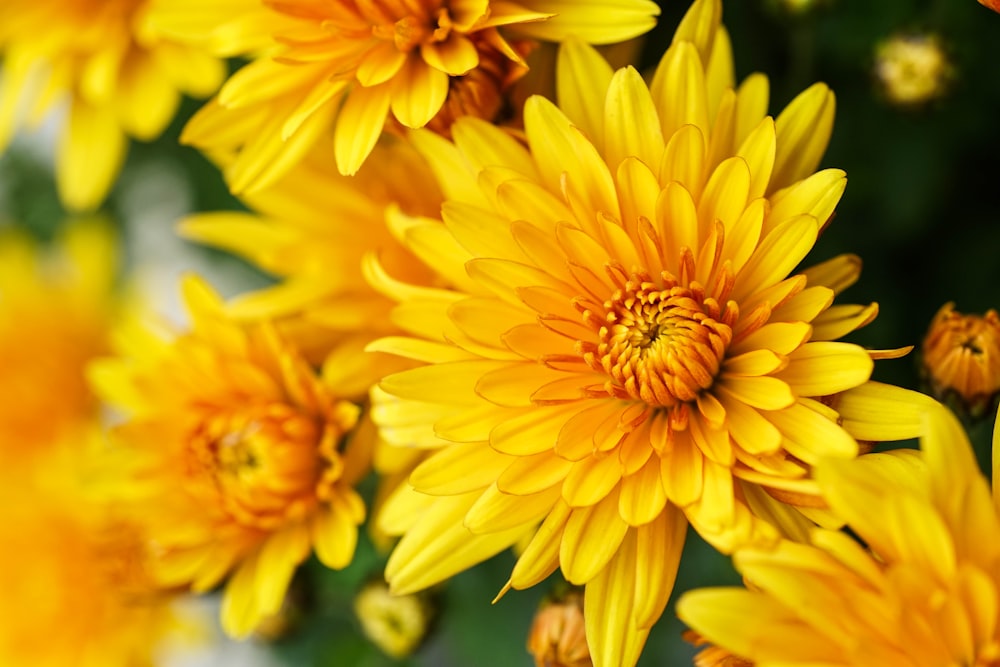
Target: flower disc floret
662,344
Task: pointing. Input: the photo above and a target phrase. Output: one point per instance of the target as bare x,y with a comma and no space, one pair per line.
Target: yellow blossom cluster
548,306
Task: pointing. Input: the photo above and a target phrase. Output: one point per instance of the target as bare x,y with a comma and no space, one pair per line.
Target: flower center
661,344
266,462
482,92
407,24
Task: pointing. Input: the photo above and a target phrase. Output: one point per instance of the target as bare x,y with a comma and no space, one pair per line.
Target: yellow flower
397,624
926,595
912,69
76,590
119,78
623,349
248,464
56,307
961,356
311,230
347,66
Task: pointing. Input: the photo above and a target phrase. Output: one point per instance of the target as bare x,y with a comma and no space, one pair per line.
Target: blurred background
917,131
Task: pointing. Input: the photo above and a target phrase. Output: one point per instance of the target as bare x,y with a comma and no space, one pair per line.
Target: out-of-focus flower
623,349
912,69
396,624
558,635
247,460
311,229
76,588
992,4
345,67
961,357
926,595
120,79
56,307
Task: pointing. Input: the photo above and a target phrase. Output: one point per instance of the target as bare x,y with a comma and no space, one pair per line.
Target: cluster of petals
346,67
117,75
925,592
242,456
624,345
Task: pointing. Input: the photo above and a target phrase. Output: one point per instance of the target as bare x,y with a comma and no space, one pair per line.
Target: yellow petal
803,130
582,80
608,609
418,93
359,125
631,123
90,154
591,538
496,511
455,56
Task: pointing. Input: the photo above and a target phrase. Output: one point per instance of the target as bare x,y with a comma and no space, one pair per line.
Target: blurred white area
153,197
213,649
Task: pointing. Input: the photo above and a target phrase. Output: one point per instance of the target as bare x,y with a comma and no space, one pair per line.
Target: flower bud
558,635
961,358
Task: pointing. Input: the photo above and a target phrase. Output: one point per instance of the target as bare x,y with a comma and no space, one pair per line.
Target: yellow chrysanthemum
120,79
248,461
925,596
311,229
347,66
55,312
76,590
623,347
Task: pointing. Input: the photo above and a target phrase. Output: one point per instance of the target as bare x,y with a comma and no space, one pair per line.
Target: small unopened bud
712,655
396,624
912,69
558,636
961,358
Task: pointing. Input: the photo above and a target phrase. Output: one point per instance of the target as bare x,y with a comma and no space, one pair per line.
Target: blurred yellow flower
311,230
912,69
345,67
397,624
961,357
623,349
76,589
247,460
56,307
926,595
118,78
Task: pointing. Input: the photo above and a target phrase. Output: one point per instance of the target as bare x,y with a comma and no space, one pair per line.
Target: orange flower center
661,344
268,462
483,92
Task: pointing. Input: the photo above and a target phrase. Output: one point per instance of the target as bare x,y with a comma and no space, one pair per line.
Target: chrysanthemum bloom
75,587
119,79
624,349
961,357
345,67
56,306
926,595
248,465
713,656
311,230
912,69
557,637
